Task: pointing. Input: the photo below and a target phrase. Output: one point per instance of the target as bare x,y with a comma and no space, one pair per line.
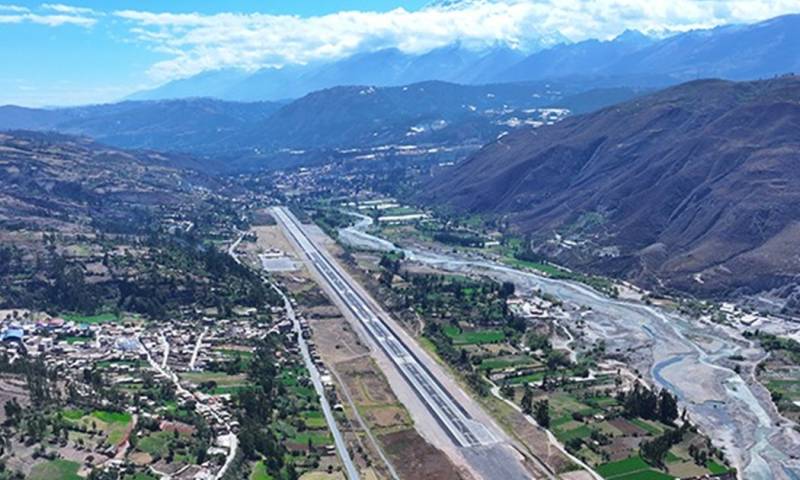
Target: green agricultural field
155,443
140,476
230,389
632,468
231,352
602,402
715,468
112,417
260,472
645,475
314,420
111,363
500,363
786,389
222,379
55,470
649,427
113,424
318,439
477,337
582,431
563,403
92,319
622,467
308,393
73,415
523,379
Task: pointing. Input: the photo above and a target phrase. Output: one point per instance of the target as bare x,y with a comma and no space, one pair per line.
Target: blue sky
98,51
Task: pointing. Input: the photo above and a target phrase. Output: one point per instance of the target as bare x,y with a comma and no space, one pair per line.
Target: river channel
676,353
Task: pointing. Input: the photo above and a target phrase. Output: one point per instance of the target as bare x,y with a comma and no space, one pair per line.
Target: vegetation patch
260,472
622,467
55,470
92,319
477,337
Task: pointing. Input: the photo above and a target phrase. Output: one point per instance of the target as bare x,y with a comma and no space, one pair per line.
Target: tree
655,450
541,413
13,411
507,289
527,401
557,358
667,407
507,391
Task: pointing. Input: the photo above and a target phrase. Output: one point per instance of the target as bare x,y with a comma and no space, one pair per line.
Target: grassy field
582,431
260,472
230,352
74,415
598,283
112,363
477,337
155,443
622,467
645,475
222,379
113,424
112,417
314,420
522,379
91,319
500,363
715,468
230,389
140,476
649,427
632,468
55,470
318,439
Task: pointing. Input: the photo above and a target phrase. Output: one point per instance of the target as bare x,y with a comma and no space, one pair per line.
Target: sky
95,51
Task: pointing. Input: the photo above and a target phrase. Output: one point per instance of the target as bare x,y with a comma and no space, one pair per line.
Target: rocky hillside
58,182
696,187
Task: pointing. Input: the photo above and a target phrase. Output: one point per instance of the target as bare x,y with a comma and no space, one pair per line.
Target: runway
460,426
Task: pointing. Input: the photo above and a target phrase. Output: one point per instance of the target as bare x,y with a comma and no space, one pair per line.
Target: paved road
463,430
196,350
338,438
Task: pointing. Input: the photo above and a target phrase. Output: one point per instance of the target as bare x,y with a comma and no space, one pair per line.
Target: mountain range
427,113
188,125
737,52
692,188
386,67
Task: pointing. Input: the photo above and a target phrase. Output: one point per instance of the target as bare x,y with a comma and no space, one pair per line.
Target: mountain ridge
736,52
688,188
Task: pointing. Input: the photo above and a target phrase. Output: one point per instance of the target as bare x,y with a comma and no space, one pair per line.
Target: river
684,356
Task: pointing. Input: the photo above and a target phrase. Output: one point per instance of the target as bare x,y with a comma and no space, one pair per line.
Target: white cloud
13,8
64,15
196,42
68,9
48,20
